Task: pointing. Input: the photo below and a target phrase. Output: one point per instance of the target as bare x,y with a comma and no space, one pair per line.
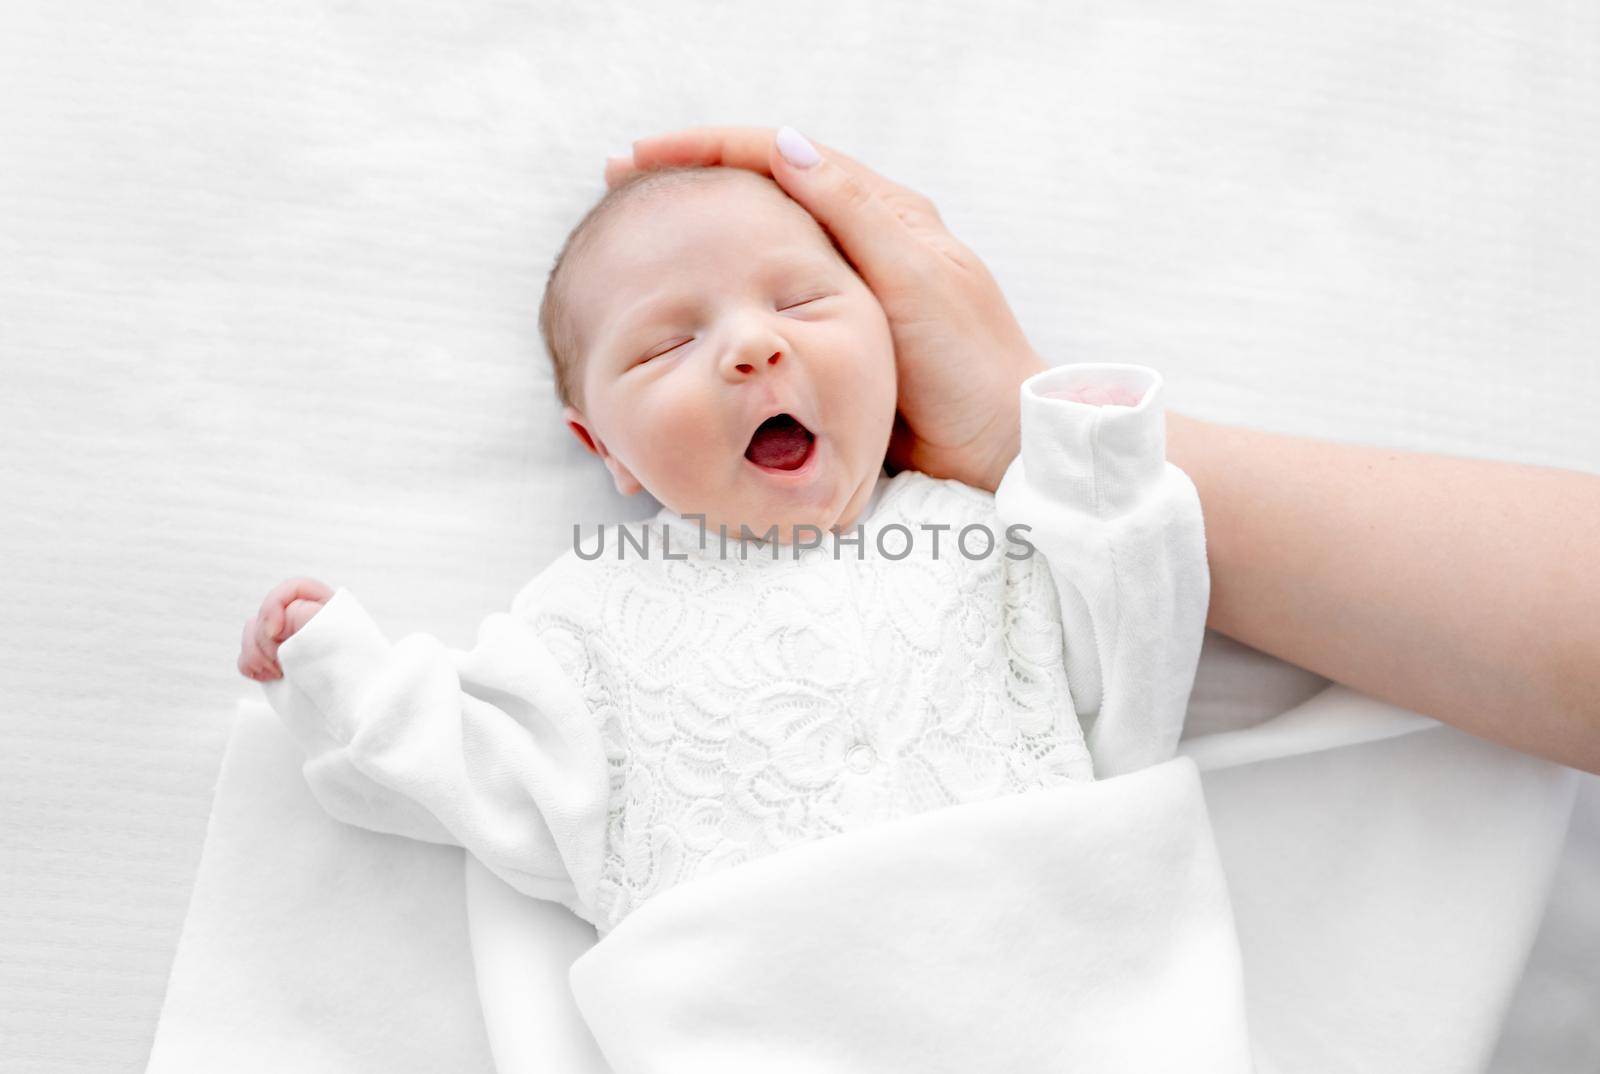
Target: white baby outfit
646,717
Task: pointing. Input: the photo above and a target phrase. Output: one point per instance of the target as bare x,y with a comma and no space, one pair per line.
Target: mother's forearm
1463,589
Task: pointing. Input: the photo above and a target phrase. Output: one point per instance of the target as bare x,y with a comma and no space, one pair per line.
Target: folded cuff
1100,459
333,659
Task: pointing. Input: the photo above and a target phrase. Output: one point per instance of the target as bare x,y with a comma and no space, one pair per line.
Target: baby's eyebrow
651,309
659,306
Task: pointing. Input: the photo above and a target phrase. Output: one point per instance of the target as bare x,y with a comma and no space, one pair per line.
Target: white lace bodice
747,705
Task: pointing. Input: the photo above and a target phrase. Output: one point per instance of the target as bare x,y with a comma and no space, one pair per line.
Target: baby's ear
621,476
580,428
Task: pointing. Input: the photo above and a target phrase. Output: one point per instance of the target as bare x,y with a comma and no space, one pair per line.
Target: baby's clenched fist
287,609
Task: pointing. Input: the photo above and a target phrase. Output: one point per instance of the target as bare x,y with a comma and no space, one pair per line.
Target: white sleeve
491,749
1122,532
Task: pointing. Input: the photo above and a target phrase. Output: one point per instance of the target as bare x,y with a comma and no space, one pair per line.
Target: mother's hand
960,354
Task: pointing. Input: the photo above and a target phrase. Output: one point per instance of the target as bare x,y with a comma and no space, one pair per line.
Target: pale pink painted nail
795,149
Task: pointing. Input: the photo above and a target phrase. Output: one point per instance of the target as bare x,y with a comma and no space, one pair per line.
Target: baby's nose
747,367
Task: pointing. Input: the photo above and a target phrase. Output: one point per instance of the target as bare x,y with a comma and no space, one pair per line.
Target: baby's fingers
273,622
286,593
267,639
253,662
299,614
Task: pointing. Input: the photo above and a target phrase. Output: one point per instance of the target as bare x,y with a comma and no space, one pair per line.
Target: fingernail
795,149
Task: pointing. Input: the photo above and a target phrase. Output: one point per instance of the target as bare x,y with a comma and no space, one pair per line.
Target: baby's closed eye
804,300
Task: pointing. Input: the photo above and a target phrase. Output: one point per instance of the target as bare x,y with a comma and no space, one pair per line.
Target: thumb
866,225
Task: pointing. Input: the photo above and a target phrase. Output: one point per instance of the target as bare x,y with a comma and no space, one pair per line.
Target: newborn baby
797,643
712,346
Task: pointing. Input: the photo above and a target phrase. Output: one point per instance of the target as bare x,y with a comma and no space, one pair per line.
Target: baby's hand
287,609
1099,396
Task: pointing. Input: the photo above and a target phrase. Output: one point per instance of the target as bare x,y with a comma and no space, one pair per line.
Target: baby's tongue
781,443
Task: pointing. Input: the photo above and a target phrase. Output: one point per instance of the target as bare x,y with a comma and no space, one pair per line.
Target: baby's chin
788,528
782,523
771,508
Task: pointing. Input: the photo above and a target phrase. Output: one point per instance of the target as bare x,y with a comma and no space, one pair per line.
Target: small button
861,757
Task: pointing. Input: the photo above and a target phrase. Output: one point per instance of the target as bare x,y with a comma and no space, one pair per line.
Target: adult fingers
750,147
617,168
732,147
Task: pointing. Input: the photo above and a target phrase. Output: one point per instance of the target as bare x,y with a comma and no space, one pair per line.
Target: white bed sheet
268,278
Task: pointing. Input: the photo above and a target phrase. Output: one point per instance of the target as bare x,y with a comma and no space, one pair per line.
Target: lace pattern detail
749,705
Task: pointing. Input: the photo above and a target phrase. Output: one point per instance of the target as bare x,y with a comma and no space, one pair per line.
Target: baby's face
703,312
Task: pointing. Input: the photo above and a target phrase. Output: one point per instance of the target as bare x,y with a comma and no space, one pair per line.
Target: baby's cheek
680,428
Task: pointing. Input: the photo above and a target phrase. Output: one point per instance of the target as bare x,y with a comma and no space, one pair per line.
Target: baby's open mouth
781,443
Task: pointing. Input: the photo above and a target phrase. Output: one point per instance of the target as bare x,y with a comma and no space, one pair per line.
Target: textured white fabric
657,708
1082,928
1118,524
962,940
309,915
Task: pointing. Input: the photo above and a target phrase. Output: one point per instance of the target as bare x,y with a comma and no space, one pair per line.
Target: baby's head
687,311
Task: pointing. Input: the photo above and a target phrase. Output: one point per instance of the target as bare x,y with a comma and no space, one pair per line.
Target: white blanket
1350,887
1084,928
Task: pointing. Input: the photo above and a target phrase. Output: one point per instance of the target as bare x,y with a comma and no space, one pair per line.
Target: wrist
1187,440
1001,448
1001,442
1191,444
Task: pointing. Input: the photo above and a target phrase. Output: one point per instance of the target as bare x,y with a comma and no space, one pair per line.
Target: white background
269,274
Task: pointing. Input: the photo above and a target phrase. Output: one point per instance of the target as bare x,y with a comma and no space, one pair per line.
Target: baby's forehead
727,193
752,217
